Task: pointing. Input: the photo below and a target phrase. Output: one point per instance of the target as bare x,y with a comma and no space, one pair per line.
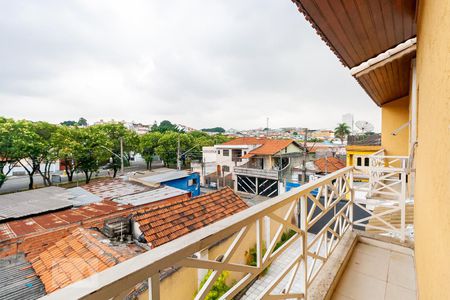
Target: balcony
254,172
341,237
367,140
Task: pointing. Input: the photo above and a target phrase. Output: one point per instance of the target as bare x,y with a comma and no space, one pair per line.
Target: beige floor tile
376,266
401,271
395,292
373,250
337,296
360,286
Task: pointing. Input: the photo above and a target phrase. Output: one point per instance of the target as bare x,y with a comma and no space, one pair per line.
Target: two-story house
259,166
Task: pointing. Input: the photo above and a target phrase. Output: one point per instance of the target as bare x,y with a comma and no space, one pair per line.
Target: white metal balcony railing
247,171
299,210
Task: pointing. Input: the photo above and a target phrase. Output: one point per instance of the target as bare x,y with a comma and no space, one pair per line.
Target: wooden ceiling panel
357,30
388,82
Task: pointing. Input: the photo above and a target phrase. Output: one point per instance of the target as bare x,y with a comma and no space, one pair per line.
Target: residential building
398,53
268,166
349,120
207,165
183,180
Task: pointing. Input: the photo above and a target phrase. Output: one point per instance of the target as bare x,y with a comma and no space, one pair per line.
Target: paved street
19,183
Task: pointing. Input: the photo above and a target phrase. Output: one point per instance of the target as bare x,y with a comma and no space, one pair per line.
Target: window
226,152
245,152
218,152
192,181
366,161
358,161
225,168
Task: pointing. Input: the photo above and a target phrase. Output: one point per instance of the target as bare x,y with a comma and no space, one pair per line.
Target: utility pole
305,155
178,154
121,156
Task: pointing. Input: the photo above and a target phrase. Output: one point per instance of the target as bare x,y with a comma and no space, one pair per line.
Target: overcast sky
201,63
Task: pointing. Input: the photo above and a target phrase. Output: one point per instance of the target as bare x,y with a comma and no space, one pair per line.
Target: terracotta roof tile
267,146
78,256
329,164
168,220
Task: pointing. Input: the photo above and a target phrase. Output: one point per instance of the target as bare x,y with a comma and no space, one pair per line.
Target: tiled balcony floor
377,273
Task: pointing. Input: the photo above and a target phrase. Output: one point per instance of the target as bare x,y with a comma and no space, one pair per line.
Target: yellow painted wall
432,187
393,115
359,150
180,285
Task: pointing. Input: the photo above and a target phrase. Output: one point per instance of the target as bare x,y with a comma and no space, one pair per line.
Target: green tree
214,129
115,132
167,148
31,146
90,153
48,152
82,122
7,162
148,144
66,142
69,123
165,126
341,131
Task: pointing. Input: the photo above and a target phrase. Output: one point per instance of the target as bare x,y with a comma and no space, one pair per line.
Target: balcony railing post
403,206
352,198
153,287
304,229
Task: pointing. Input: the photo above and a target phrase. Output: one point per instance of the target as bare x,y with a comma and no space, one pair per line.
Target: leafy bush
219,288
284,237
250,256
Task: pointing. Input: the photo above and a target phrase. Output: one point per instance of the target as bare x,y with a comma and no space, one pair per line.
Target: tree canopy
341,131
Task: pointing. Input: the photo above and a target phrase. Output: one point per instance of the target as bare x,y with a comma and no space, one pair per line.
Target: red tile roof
246,141
169,220
271,147
267,146
78,256
329,164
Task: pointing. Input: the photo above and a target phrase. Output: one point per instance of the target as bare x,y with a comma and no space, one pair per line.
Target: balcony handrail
110,282
325,195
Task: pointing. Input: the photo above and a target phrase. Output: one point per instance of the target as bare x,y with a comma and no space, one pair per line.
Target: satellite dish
364,126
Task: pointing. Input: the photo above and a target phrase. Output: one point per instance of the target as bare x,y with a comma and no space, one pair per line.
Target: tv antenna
364,126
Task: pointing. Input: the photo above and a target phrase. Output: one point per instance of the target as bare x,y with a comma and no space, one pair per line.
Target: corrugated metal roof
22,204
108,189
80,196
164,176
151,196
18,279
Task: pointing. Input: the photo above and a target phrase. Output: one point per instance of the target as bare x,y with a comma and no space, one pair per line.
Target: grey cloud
202,63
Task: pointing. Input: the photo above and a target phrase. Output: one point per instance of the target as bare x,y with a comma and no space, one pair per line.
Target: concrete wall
432,187
393,115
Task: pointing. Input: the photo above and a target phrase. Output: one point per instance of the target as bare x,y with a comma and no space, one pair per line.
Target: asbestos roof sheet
18,279
108,189
151,196
167,220
22,204
164,176
80,196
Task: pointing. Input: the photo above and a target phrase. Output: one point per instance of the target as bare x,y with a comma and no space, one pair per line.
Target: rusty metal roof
41,223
